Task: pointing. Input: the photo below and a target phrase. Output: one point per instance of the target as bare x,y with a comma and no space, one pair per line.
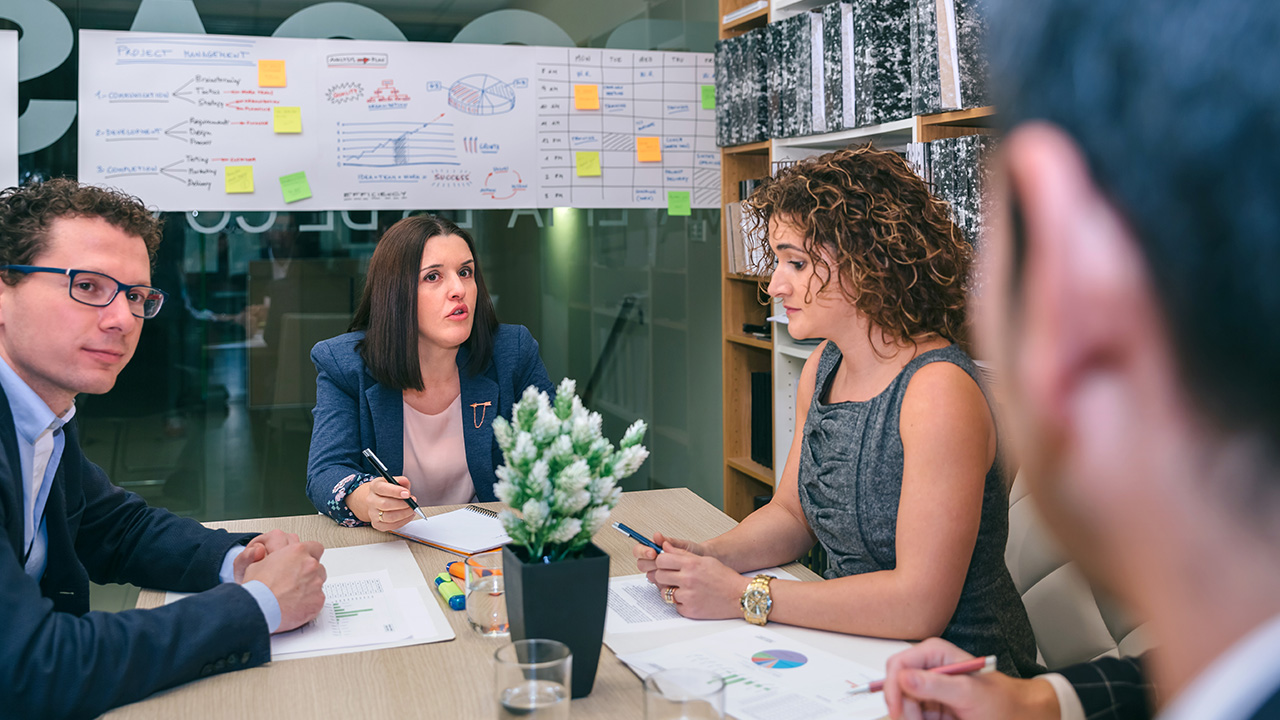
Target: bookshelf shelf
751,468
755,148
752,20
886,135
799,352
749,341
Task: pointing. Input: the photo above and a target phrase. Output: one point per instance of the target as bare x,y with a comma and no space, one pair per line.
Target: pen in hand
386,475
636,536
976,665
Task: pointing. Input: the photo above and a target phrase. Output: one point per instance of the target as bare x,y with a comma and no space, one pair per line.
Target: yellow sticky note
649,149
678,202
271,73
588,163
287,119
586,97
239,178
295,187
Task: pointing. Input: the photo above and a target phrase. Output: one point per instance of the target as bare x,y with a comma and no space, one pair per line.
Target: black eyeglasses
98,290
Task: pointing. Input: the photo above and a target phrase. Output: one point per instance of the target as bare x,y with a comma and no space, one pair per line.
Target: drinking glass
486,595
533,680
684,694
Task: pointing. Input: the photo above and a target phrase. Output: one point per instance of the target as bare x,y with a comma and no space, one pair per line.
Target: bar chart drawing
396,144
482,94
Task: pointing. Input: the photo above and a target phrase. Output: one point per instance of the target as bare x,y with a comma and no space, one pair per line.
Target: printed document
769,676
375,597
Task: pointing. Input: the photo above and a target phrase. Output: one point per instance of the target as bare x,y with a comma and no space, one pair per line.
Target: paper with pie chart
770,677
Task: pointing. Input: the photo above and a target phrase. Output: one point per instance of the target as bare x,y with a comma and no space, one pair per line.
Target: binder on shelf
958,170
948,65
880,33
742,105
791,76
761,418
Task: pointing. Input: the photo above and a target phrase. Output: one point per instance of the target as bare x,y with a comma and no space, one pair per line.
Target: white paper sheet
382,580
769,676
635,605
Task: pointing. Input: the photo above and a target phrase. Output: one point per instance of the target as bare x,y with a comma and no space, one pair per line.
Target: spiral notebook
467,531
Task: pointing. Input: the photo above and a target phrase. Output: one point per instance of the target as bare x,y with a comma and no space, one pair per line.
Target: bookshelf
742,296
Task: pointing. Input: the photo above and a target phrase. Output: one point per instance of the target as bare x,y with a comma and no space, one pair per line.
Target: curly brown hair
26,213
901,260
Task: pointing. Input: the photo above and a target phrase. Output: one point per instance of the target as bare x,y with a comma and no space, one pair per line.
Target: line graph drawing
395,144
482,94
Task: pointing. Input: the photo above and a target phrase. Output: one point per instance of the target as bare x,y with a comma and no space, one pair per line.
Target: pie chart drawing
482,94
779,659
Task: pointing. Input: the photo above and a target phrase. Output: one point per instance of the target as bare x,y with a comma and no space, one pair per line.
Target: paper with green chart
376,597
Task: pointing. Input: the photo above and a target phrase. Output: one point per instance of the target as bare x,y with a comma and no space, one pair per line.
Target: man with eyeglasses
75,290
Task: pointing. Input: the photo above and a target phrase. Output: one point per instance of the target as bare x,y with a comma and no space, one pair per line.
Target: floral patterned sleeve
336,507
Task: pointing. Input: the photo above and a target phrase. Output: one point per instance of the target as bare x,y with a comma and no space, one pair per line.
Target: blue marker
636,536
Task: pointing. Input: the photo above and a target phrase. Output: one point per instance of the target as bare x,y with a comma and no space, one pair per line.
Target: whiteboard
8,108
390,125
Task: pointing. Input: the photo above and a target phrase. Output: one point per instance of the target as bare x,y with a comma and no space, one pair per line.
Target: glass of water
532,679
684,694
486,595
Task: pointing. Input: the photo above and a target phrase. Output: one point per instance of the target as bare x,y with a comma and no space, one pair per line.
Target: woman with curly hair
893,468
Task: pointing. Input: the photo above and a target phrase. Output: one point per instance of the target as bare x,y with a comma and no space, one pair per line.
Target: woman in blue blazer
419,379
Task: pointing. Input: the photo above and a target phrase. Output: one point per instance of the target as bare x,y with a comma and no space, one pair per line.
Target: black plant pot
565,601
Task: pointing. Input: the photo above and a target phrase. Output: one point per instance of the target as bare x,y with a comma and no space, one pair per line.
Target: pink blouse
435,456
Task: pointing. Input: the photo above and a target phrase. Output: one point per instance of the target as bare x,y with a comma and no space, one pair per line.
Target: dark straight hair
388,311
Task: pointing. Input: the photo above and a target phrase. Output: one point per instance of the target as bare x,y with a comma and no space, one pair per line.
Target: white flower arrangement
560,472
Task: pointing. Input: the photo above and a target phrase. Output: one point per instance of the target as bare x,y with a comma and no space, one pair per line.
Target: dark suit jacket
57,659
1117,689
354,411
1112,688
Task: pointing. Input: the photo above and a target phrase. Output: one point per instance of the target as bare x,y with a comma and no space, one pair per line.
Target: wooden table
451,680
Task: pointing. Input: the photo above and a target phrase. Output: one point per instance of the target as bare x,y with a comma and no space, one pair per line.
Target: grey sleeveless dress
850,483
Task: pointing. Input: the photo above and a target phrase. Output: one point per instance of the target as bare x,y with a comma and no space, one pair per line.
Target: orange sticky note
271,73
239,179
649,149
287,119
588,162
586,97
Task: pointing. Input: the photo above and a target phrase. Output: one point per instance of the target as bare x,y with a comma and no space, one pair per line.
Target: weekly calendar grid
641,94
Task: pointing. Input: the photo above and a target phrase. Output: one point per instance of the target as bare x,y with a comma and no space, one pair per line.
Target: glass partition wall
212,418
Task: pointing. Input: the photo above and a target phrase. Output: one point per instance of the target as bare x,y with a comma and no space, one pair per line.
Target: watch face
756,602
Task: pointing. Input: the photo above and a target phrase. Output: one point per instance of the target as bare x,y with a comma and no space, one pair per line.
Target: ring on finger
380,516
669,595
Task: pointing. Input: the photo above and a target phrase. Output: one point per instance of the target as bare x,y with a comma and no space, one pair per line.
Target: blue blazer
57,659
353,412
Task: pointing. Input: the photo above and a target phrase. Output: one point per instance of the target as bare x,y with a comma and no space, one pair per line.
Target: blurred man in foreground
1132,300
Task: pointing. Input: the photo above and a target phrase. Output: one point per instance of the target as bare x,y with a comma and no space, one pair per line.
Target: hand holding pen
389,503
913,682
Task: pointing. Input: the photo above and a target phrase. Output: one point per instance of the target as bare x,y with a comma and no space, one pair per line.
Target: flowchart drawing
482,94
395,144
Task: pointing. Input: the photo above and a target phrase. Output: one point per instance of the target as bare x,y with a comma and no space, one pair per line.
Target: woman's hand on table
704,587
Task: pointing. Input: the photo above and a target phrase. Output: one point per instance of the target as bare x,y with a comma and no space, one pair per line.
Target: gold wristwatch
756,600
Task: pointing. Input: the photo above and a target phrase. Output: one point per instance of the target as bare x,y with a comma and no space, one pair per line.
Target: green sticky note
295,187
678,202
708,97
239,179
588,162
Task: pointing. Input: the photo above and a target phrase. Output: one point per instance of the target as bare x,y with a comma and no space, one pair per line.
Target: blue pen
635,536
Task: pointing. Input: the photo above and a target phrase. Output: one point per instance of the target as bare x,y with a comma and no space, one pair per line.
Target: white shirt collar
1235,684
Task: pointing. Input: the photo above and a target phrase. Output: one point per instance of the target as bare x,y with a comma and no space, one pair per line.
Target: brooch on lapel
482,406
